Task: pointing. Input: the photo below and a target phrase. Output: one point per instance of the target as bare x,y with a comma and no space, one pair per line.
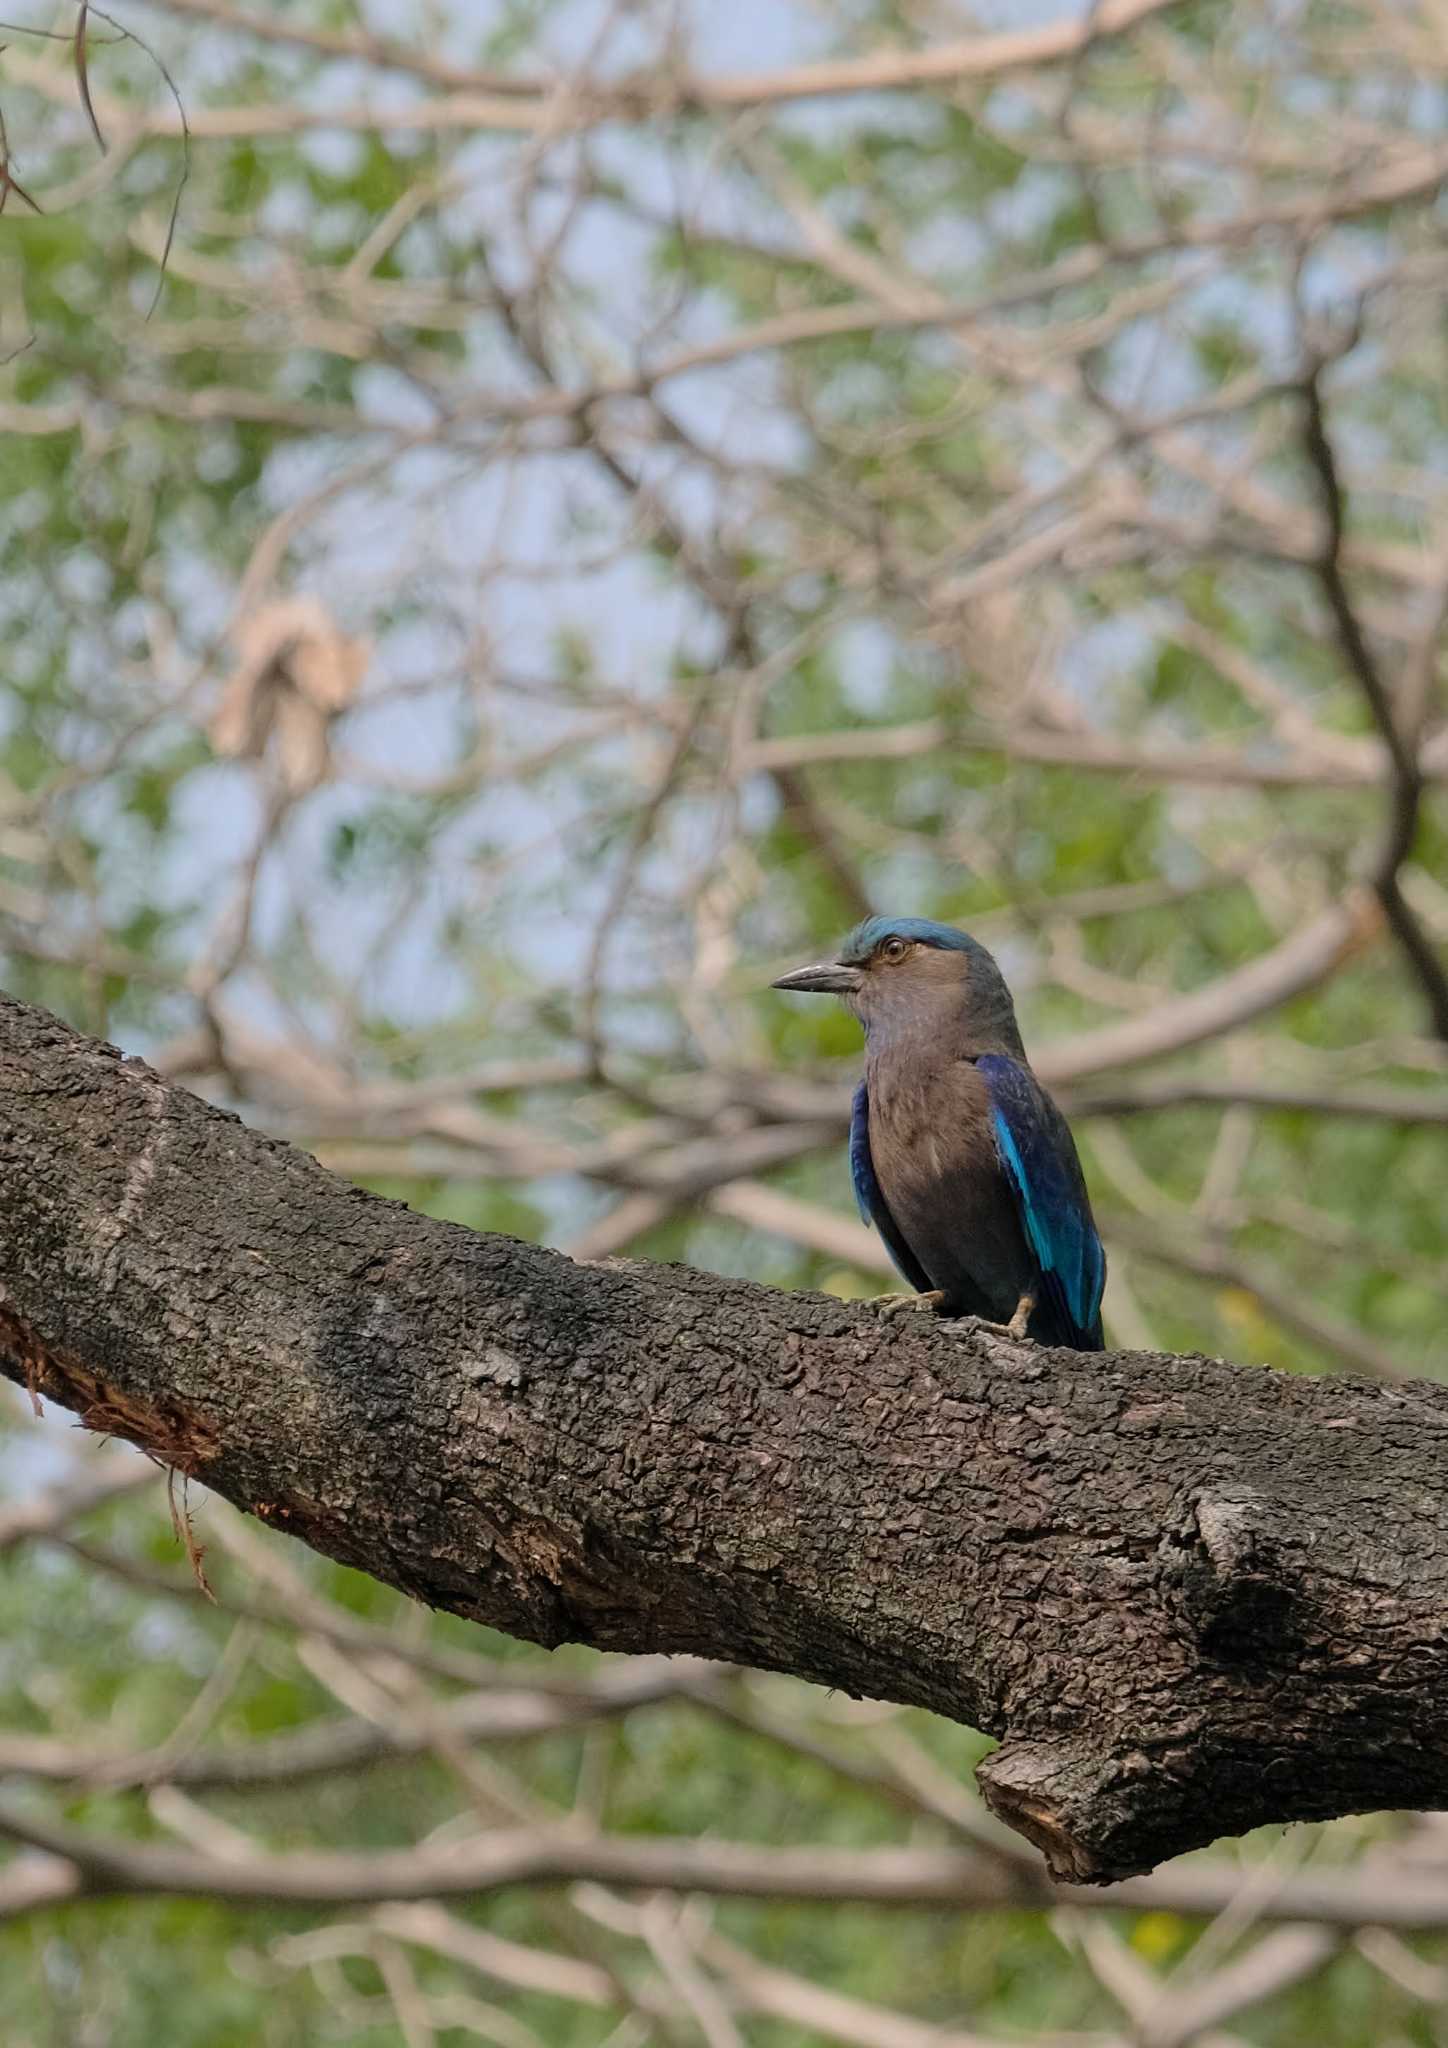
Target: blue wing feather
1044,1175
872,1204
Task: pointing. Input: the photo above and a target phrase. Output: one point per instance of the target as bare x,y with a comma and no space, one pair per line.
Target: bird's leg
893,1304
1025,1308
1015,1329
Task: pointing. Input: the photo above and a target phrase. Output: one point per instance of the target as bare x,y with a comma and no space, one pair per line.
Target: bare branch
1401,746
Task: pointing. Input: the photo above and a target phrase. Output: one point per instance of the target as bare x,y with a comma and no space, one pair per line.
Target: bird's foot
897,1304
1015,1329
1025,1309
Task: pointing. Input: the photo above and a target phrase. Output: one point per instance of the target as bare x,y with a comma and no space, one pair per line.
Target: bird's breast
929,1123
932,1142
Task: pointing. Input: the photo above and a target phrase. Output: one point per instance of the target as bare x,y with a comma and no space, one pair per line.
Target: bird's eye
894,949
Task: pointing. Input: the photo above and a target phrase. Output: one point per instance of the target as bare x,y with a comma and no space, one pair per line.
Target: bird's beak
825,978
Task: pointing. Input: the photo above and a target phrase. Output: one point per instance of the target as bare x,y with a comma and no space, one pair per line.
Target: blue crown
924,931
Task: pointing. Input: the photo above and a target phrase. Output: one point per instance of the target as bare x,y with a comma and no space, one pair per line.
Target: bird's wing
1044,1174
873,1207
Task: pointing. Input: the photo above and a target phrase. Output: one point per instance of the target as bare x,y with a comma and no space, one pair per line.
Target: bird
959,1157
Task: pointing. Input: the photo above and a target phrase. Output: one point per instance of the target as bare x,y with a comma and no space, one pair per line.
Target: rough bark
1188,1597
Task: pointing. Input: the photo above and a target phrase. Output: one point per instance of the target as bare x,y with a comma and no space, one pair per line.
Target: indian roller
959,1157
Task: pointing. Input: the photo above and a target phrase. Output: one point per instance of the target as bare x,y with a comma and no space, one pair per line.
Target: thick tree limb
1187,1597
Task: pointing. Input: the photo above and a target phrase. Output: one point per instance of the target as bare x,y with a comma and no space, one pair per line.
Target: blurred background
520,521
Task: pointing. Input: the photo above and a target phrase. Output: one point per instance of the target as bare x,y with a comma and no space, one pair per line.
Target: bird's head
903,974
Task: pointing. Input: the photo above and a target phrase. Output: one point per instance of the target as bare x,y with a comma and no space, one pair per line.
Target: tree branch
1401,829
80,1860
532,103
1188,1598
